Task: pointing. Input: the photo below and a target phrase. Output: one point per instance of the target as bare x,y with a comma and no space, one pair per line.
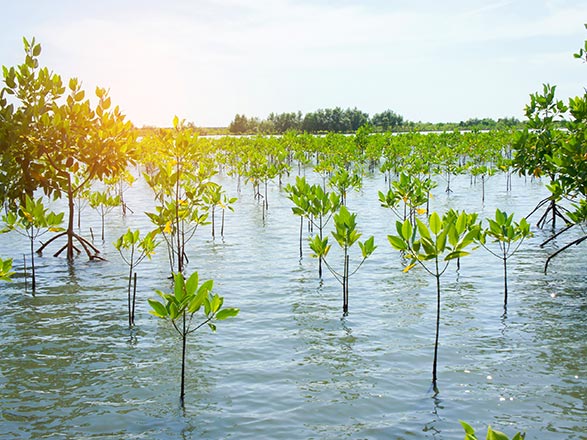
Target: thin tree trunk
345,286
33,265
301,233
103,215
505,281
435,360
222,225
130,323
213,226
134,297
183,353
70,247
320,259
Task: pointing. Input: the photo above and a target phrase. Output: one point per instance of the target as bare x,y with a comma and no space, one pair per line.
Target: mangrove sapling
346,235
32,220
323,205
120,183
342,181
433,247
300,194
6,269
179,308
179,185
103,203
412,191
139,249
214,196
505,232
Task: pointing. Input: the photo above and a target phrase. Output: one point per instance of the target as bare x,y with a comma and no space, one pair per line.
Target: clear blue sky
207,60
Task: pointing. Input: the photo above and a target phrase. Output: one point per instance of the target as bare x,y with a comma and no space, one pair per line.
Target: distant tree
239,125
387,120
312,121
356,118
338,120
508,122
283,122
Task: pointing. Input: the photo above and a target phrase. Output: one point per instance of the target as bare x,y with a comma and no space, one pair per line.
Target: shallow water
289,366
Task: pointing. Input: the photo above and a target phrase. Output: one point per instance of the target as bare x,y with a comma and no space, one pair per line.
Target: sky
205,60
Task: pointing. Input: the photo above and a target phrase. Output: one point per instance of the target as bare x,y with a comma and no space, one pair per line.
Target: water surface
290,366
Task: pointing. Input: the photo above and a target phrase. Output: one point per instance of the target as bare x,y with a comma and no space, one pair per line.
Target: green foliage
32,220
539,143
445,239
214,196
103,202
346,235
5,269
140,248
582,53
315,204
505,231
180,181
342,181
433,247
57,137
179,307
188,298
491,433
410,190
387,120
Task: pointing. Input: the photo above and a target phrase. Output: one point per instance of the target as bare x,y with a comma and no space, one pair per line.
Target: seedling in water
505,232
180,307
32,220
346,235
442,241
139,250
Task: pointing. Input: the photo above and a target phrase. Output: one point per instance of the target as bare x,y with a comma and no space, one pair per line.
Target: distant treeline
338,120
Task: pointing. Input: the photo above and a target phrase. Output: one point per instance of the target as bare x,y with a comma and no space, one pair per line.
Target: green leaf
179,287
435,223
159,309
468,428
495,435
216,303
422,229
407,230
461,223
191,285
227,313
441,241
174,311
206,287
368,247
455,254
397,243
